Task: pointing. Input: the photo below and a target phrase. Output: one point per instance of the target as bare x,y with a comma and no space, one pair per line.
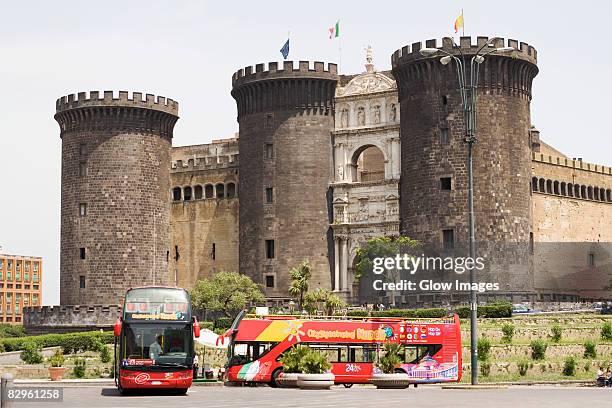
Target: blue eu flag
285,49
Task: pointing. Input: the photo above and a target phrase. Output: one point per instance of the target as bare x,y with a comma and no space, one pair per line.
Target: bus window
242,353
362,353
414,354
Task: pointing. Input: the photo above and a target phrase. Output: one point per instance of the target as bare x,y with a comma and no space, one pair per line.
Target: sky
188,50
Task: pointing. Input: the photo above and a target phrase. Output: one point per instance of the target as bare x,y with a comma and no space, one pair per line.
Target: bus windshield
157,344
165,304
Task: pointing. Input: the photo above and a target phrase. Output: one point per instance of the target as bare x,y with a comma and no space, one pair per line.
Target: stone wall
572,235
204,225
67,319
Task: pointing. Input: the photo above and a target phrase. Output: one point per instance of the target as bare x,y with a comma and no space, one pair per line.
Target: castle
323,162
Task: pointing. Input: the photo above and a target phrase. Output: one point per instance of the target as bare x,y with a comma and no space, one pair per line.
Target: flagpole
462,24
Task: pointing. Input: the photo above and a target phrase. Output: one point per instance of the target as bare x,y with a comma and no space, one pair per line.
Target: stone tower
115,194
433,208
286,118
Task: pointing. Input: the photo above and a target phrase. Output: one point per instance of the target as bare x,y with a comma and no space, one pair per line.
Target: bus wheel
123,391
347,385
275,383
181,391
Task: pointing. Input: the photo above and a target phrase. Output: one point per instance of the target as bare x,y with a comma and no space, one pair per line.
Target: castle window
82,253
82,282
590,192
176,194
82,169
563,189
209,191
444,99
82,209
269,195
542,187
231,190
269,248
534,184
591,259
577,191
269,120
268,151
445,183
213,252
596,193
549,189
583,192
187,193
556,187
269,281
609,195
197,192
448,239
82,149
220,188
531,243
444,136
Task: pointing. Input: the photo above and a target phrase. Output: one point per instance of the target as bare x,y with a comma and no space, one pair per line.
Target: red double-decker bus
154,346
352,345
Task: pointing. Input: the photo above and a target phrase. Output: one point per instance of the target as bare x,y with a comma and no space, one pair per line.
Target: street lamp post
467,91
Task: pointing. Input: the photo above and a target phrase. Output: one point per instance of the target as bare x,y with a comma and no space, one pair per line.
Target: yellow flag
459,22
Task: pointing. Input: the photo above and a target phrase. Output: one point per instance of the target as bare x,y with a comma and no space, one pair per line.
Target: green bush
606,331
292,358
569,367
523,366
11,330
223,323
57,359
207,325
491,310
405,313
31,353
391,359
314,362
557,331
485,368
484,348
70,342
105,354
508,332
538,349
589,350
79,368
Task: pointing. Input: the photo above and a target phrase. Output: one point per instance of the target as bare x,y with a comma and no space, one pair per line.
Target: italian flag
334,31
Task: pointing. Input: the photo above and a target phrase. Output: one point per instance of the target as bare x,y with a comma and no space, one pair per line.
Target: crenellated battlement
523,51
574,164
112,99
286,70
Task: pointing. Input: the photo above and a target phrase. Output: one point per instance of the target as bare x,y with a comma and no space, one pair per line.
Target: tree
325,299
385,247
300,277
226,292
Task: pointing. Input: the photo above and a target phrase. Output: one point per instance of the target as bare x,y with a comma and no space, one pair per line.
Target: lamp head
504,49
445,59
426,52
478,59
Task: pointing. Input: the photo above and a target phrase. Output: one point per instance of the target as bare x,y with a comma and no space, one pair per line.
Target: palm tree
300,277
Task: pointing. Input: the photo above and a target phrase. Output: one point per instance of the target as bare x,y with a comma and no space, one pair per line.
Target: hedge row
70,342
498,310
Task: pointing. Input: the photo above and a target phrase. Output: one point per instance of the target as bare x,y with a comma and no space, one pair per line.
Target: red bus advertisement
353,346
154,340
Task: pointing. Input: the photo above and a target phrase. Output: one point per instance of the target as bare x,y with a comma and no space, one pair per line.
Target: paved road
430,396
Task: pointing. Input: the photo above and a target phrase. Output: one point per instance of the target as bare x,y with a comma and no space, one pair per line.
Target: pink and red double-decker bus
154,340
432,351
